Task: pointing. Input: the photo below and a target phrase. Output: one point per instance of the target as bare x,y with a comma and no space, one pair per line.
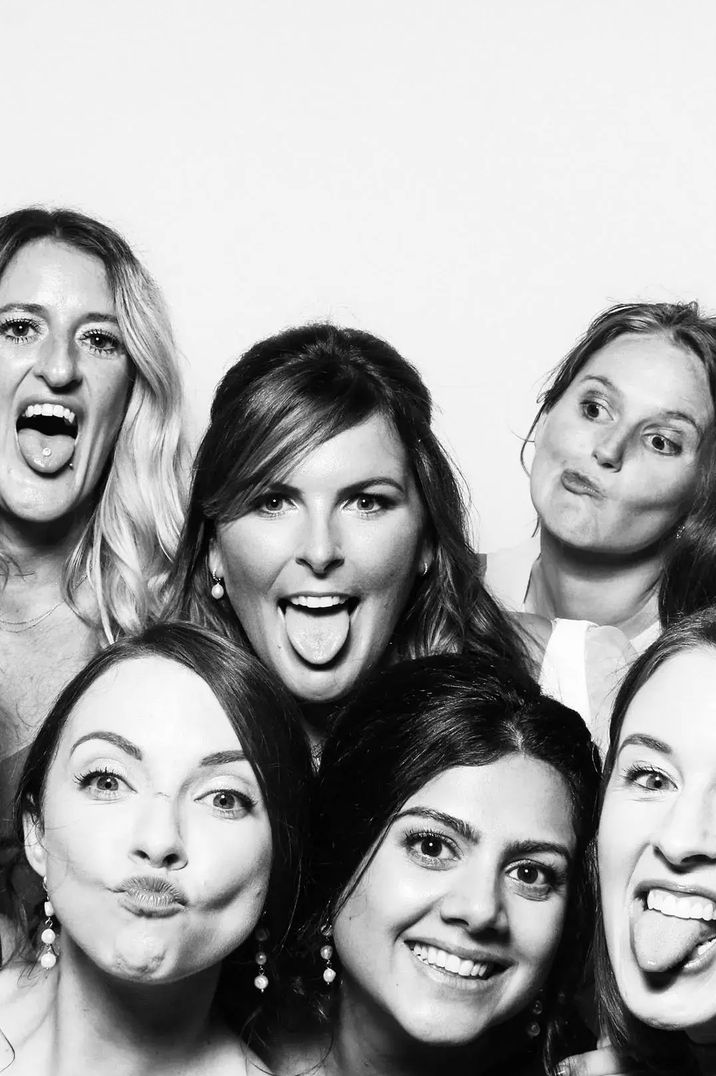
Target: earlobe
216,564
34,847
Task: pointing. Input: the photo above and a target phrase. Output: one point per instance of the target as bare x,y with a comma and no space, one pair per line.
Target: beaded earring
48,957
261,981
217,591
533,1027
329,973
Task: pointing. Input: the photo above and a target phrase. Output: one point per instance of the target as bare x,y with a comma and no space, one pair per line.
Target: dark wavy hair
266,722
286,396
410,723
661,1051
683,325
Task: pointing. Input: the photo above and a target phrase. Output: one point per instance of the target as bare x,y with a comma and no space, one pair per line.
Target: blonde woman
91,457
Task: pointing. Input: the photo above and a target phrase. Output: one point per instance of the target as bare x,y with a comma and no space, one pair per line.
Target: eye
272,504
534,879
649,778
100,342
227,802
431,849
102,784
369,504
593,409
664,446
19,330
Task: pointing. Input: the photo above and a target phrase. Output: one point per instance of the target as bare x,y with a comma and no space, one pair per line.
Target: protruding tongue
317,637
662,942
43,453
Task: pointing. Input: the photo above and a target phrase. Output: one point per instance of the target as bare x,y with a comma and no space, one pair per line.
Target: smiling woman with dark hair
163,804
91,457
451,908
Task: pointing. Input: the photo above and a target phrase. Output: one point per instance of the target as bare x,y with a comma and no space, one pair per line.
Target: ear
34,846
216,564
539,426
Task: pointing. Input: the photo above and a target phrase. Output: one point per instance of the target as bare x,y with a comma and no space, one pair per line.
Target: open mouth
673,932
47,435
452,964
318,625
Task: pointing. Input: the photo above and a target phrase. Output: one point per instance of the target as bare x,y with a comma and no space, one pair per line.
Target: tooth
465,967
452,963
46,410
58,411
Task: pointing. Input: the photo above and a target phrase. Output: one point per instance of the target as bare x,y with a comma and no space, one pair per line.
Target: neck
104,1024
569,583
32,561
705,1054
368,1042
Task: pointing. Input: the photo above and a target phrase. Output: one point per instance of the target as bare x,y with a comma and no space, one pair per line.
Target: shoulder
302,1052
506,572
536,632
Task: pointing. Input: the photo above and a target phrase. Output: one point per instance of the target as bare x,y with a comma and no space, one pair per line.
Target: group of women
292,778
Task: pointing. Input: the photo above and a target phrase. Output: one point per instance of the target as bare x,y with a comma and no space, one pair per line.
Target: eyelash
674,448
84,780
19,340
645,769
86,337
382,502
414,837
115,341
245,803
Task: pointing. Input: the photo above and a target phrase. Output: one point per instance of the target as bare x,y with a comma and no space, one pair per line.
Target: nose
686,835
319,545
609,448
158,839
474,900
57,363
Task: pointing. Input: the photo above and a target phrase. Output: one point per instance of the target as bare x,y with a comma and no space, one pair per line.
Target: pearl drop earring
217,591
48,957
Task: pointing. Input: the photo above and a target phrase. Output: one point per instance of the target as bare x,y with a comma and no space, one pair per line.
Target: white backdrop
472,179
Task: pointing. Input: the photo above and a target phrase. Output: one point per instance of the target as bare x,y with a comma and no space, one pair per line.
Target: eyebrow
37,308
220,758
640,739
111,737
345,491
678,416
465,830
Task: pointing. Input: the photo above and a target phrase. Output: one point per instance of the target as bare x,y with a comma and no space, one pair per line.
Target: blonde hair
127,546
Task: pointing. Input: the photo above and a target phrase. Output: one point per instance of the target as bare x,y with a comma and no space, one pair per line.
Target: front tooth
465,968
47,410
452,963
58,411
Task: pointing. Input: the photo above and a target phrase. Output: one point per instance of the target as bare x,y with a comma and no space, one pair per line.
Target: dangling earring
217,591
261,934
533,1025
424,568
48,958
329,973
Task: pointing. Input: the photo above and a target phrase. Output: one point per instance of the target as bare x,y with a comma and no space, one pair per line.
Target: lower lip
150,904
573,483
452,979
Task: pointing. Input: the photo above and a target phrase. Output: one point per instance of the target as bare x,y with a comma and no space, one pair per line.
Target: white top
583,663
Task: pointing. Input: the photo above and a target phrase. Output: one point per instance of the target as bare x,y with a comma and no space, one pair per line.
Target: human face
616,458
657,848
154,837
454,925
320,569
60,352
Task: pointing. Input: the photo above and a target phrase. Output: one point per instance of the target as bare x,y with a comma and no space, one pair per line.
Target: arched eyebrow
640,739
670,415
114,738
467,832
37,308
221,758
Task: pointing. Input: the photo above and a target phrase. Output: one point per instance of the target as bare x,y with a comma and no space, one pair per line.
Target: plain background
471,179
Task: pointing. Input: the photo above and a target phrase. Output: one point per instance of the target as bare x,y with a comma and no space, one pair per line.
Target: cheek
537,931
250,559
231,865
111,393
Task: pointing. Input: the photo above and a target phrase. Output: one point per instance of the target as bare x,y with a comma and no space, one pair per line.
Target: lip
681,890
62,401
151,896
581,484
477,955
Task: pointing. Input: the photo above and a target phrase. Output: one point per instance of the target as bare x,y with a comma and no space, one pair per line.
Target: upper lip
153,884
678,888
584,480
477,955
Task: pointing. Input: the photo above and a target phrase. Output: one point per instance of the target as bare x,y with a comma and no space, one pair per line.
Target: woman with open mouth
620,439
163,805
656,954
326,528
450,913
91,457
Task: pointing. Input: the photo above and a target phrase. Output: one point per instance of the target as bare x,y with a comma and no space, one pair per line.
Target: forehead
370,448
48,272
651,372
161,706
515,798
677,705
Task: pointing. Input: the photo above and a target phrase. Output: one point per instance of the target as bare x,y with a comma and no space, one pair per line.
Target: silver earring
261,934
217,591
533,1025
48,957
329,973
424,568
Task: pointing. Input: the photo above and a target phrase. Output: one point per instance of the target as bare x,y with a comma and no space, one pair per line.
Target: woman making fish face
454,804
657,851
326,527
161,802
91,453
